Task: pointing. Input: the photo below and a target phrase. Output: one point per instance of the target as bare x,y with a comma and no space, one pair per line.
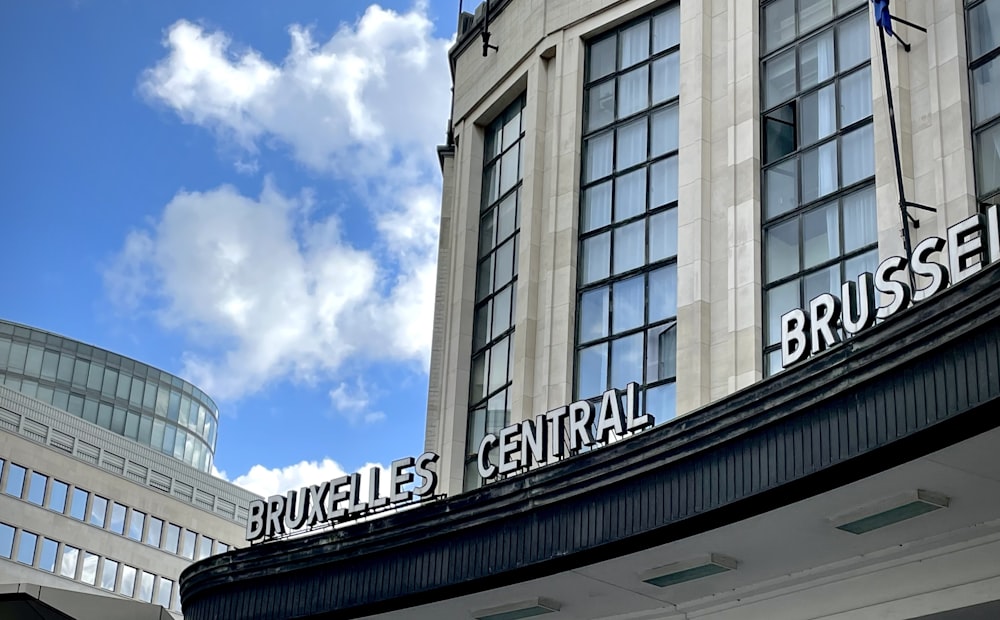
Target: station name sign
970,245
340,499
560,432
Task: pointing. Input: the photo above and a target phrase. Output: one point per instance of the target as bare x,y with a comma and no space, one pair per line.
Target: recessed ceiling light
890,510
695,568
516,611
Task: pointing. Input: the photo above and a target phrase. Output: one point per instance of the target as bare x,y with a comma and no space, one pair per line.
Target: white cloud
279,480
269,288
353,402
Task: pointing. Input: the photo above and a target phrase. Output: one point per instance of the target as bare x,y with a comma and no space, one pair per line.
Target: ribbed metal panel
923,381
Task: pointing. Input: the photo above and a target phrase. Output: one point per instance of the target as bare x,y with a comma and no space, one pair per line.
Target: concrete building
93,496
652,208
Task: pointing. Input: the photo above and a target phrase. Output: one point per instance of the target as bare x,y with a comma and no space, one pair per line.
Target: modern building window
6,540
109,573
26,548
983,28
135,523
153,533
146,587
221,547
204,547
172,538
818,155
15,480
98,510
127,586
78,507
47,555
88,574
164,592
57,496
496,284
187,544
36,489
627,276
117,524
68,561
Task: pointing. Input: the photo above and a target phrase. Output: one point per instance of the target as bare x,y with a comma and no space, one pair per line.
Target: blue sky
244,193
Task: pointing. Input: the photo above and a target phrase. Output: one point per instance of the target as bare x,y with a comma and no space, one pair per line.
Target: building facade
644,201
93,496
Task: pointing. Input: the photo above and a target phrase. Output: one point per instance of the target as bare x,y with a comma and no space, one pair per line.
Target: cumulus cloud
353,402
277,481
271,287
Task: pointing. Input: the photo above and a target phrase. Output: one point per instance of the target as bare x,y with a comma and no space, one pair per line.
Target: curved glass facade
120,394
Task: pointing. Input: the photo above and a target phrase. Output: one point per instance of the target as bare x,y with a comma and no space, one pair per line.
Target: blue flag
882,18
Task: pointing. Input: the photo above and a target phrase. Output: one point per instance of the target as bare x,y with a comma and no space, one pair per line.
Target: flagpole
904,214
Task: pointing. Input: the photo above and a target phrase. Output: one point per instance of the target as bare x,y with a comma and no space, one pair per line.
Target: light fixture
890,510
686,570
516,611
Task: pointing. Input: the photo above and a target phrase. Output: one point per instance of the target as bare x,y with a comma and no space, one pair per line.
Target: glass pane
986,88
135,523
782,244
844,6
6,540
477,382
33,364
498,365
68,561
50,363
511,126
663,293
484,278
204,547
117,524
78,508
666,30
816,60
108,574
98,510
663,235
598,156
661,353
630,246
18,353
820,235
852,41
601,58
89,572
81,368
629,304
819,171
661,401
153,533
779,24
127,586
663,182
507,217
592,371
822,281
858,154
509,173
779,132
812,13
57,496
626,360
502,311
780,300
491,183
172,538
634,44
984,27
988,152
481,327
867,262
818,113
666,77
164,592
146,587
633,91
594,312
596,258
26,548
65,372
15,480
860,226
665,127
630,195
596,210
486,230
36,490
505,263
856,97
779,78
601,105
187,544
631,144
